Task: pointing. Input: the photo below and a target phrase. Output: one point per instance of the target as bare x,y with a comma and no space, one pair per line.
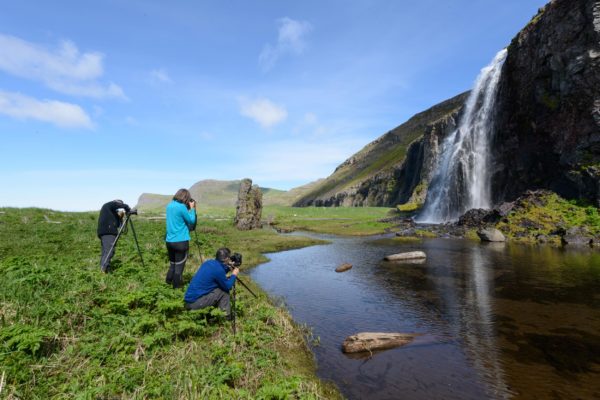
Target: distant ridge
216,193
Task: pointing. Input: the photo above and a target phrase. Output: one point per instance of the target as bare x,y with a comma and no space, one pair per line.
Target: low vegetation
548,215
69,331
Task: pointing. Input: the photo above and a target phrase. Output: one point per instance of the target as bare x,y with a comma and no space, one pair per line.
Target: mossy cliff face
548,121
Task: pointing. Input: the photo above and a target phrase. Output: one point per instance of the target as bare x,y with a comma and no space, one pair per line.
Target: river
497,321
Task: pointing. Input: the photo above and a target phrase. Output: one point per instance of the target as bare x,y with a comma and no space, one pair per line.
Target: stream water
497,321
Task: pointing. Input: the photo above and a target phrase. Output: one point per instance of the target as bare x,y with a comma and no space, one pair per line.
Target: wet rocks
411,255
490,235
577,237
343,267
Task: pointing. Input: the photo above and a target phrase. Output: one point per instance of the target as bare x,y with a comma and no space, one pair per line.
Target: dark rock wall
548,121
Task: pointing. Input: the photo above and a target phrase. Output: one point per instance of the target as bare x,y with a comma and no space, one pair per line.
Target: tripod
233,293
123,228
198,245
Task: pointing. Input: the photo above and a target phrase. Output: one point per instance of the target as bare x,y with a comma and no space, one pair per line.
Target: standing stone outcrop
249,206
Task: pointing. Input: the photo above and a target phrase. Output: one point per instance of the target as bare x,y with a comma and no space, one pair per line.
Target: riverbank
68,330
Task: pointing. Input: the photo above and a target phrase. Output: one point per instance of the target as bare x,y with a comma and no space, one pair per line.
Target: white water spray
461,180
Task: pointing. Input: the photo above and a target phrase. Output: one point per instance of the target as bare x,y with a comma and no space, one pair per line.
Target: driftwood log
371,341
411,255
343,267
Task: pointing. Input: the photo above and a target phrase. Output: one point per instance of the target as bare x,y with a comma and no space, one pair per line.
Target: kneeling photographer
210,285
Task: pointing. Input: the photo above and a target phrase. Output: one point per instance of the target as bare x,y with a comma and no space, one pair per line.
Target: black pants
178,253
107,242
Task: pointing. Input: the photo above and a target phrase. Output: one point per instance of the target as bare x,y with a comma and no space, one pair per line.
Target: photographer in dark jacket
109,221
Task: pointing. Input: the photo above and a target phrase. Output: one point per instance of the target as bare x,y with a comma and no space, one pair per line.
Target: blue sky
110,99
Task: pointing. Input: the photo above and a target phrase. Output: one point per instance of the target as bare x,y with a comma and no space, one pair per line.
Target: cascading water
461,179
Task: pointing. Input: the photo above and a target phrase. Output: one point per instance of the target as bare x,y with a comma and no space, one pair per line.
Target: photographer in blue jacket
210,285
181,218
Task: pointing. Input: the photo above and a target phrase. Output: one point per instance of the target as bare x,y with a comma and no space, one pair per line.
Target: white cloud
290,40
64,70
160,76
263,111
59,113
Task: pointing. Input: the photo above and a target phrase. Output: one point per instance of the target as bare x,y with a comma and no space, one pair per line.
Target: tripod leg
199,249
136,242
233,309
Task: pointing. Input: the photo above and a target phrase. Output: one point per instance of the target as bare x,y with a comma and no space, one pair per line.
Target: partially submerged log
371,341
343,267
411,255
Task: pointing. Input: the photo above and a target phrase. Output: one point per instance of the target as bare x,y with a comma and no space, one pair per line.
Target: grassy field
337,220
68,331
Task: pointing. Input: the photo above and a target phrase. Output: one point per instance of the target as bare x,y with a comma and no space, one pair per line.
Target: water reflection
496,320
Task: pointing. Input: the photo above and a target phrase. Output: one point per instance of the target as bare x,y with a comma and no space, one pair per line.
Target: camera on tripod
133,211
236,259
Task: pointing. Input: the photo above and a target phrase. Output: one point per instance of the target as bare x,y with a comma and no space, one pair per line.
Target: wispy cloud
263,111
160,76
65,115
63,69
291,40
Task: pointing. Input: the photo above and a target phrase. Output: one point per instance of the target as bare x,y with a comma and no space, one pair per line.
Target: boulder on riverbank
371,341
490,235
411,255
577,236
343,267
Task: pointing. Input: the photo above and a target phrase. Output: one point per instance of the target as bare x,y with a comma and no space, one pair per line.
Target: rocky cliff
393,169
547,124
548,117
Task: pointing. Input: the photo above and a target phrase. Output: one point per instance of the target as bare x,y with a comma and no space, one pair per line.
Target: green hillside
383,154
216,193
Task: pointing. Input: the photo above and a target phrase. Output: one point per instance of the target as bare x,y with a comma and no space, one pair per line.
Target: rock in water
249,206
411,255
490,235
343,267
371,341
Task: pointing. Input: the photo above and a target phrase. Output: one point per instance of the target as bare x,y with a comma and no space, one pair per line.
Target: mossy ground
547,215
69,331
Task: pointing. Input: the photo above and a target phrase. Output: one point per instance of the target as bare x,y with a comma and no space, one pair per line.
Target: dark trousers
107,242
178,253
216,298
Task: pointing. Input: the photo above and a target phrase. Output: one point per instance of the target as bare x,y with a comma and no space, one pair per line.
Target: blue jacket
210,275
179,218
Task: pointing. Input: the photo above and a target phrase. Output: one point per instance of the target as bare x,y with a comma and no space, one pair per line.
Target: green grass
68,331
336,220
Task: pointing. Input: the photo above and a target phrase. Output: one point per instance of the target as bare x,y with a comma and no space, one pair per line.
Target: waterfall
461,180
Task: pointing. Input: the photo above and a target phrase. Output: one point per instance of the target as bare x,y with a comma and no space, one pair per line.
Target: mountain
215,193
393,169
545,124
